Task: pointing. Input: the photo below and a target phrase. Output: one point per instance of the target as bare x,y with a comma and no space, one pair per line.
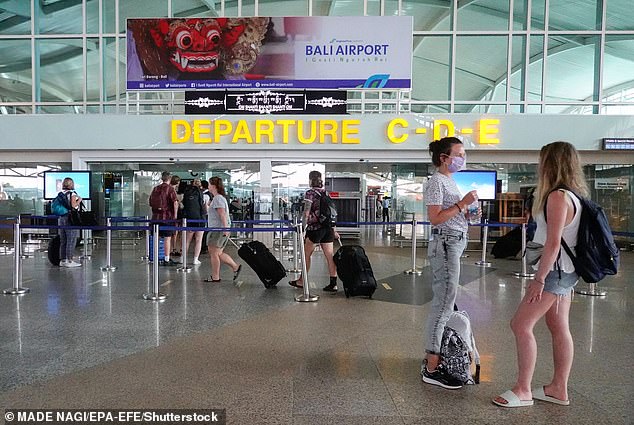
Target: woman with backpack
447,211
68,237
194,208
557,212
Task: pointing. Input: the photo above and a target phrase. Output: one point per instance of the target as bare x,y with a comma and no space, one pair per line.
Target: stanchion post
483,261
524,273
281,242
184,268
17,243
592,291
146,257
295,270
23,254
84,236
108,267
306,296
413,269
155,295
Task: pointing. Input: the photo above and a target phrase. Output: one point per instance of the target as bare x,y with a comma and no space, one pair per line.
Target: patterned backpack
458,349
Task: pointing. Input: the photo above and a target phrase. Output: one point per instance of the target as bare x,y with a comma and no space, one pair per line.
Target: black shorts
166,233
201,224
321,235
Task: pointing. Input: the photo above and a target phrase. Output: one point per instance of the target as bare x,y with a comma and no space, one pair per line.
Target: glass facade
481,55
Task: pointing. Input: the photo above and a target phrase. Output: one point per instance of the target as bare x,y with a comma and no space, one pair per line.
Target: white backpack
458,350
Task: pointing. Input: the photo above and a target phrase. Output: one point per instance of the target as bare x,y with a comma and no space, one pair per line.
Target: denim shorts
563,286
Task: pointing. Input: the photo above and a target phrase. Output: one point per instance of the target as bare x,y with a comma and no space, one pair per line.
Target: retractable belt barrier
154,226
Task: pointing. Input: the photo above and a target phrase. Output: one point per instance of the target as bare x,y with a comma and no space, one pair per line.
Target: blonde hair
559,166
68,184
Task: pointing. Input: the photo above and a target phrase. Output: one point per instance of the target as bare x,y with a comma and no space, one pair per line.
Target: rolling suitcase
263,262
53,250
355,271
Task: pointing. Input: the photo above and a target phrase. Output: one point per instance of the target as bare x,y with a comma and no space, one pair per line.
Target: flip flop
295,284
237,273
209,279
539,394
512,400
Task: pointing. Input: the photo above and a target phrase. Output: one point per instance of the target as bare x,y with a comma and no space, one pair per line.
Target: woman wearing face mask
447,211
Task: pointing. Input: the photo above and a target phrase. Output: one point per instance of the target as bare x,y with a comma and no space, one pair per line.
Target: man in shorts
164,206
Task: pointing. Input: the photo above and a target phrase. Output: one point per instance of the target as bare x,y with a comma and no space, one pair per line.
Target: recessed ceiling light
375,167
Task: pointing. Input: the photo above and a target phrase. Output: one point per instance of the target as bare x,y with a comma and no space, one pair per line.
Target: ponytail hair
442,146
220,187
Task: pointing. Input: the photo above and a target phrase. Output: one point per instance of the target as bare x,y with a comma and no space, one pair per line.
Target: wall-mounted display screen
53,183
483,181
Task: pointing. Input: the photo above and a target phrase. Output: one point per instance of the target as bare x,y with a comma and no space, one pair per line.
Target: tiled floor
268,359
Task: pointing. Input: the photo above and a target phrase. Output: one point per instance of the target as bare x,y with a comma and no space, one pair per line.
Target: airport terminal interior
85,337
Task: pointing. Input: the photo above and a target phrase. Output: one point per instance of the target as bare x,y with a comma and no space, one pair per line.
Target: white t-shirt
213,218
443,190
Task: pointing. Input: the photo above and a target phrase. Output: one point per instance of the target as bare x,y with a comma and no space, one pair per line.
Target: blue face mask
457,163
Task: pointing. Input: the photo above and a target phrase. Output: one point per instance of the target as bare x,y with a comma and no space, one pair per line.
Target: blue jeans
444,253
67,239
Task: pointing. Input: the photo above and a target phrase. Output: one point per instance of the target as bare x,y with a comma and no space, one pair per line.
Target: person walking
164,206
446,208
316,232
216,241
68,237
557,212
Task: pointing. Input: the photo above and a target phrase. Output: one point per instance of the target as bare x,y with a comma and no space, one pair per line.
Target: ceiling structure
570,57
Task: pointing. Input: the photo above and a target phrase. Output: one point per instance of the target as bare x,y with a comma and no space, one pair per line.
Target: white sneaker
63,263
72,263
197,262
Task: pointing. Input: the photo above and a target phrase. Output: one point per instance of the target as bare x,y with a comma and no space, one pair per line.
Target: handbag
80,217
533,252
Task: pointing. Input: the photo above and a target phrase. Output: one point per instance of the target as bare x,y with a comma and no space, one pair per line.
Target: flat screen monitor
53,183
483,181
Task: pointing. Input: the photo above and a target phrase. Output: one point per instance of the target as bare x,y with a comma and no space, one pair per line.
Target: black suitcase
263,262
53,250
508,245
355,271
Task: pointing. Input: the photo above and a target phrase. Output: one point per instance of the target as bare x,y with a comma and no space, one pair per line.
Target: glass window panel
520,12
480,63
92,17
108,16
517,68
141,9
374,8
291,8
620,15
618,67
538,8
109,67
248,8
570,68
534,109
578,15
15,18
535,68
61,70
430,108
60,18
486,15
427,17
59,109
198,8
15,70
568,109
93,80
431,71
337,8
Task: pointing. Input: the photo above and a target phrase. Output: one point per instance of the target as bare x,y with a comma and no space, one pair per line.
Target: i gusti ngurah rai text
320,131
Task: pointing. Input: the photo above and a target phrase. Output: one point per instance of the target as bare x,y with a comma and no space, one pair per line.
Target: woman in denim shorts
446,208
549,292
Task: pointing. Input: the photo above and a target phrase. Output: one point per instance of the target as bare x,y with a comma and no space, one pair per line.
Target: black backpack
327,210
193,203
596,254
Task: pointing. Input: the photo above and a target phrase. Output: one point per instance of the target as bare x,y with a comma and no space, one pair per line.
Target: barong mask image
187,48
